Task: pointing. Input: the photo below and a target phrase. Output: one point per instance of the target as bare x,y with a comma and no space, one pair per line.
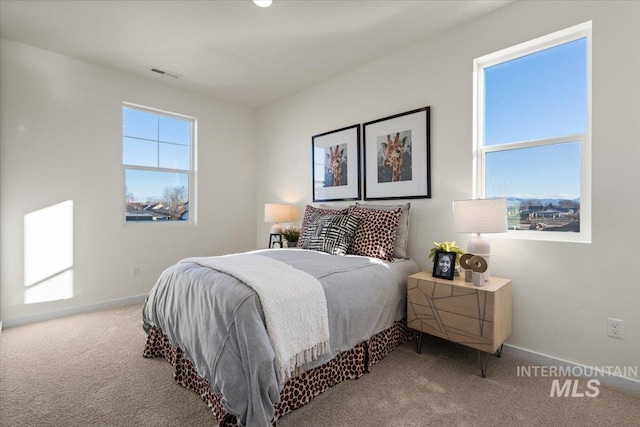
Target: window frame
192,172
480,151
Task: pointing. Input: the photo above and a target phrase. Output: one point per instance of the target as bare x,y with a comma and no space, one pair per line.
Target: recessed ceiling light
263,3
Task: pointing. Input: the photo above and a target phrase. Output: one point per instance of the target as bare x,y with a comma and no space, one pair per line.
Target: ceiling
233,49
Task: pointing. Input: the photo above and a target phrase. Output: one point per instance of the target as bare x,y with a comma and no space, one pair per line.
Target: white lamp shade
480,216
274,212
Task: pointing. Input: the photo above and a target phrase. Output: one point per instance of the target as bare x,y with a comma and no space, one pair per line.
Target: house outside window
158,152
532,134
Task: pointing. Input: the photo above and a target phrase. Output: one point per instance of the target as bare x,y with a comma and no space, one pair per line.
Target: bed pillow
376,233
331,233
331,207
400,249
308,212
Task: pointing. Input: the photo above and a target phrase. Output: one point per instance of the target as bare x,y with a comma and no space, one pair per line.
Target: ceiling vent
166,73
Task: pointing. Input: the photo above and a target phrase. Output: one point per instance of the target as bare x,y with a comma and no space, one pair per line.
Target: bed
210,323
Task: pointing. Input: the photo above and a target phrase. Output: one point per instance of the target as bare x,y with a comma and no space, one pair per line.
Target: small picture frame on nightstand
444,265
275,240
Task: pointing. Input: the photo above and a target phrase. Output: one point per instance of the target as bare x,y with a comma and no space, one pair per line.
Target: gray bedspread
218,323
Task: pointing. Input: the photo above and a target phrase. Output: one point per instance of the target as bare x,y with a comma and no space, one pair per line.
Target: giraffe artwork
335,161
336,166
394,156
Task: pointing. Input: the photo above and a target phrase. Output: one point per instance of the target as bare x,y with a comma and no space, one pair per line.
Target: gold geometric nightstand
475,316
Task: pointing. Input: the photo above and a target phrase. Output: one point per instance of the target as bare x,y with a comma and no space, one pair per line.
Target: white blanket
293,302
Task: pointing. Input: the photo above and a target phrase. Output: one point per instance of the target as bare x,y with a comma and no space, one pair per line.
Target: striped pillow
309,211
330,233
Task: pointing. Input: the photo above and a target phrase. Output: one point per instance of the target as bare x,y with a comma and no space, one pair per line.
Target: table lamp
480,216
277,213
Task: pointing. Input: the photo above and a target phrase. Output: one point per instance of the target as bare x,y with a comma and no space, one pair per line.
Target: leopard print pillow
400,250
376,233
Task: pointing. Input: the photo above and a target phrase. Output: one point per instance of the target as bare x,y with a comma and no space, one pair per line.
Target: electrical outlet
615,328
135,272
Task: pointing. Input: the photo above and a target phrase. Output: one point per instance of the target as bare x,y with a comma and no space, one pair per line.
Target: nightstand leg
419,343
483,365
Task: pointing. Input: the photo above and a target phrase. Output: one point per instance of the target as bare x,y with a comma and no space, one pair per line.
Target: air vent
166,73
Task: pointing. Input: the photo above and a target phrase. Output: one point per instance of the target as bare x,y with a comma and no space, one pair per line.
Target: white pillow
402,236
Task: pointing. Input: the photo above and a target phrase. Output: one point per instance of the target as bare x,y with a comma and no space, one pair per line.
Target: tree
570,204
128,196
174,199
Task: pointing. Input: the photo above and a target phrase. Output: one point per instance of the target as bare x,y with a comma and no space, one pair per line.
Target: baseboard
629,385
71,311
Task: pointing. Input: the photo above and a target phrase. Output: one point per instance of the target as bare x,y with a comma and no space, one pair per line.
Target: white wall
61,140
562,292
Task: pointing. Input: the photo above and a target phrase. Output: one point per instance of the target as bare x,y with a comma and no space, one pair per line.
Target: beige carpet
88,370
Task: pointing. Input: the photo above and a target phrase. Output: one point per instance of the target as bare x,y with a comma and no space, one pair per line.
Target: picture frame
397,156
335,165
275,240
444,265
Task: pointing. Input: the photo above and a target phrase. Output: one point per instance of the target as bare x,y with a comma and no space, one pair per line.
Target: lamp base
477,245
276,229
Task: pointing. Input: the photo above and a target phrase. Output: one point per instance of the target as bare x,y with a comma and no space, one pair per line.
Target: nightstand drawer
476,316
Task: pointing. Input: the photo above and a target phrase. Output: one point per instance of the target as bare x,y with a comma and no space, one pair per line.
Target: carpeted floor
88,370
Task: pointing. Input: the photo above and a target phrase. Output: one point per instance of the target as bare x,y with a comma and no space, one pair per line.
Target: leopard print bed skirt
348,365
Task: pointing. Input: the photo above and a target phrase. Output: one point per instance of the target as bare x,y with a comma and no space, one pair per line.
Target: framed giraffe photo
335,163
397,156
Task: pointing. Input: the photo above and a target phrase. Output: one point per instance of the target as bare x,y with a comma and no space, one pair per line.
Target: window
532,134
158,152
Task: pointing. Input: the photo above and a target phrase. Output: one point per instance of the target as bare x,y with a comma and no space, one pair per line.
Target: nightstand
475,316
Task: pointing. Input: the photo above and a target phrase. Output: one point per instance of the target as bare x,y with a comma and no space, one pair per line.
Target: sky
541,95
156,141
